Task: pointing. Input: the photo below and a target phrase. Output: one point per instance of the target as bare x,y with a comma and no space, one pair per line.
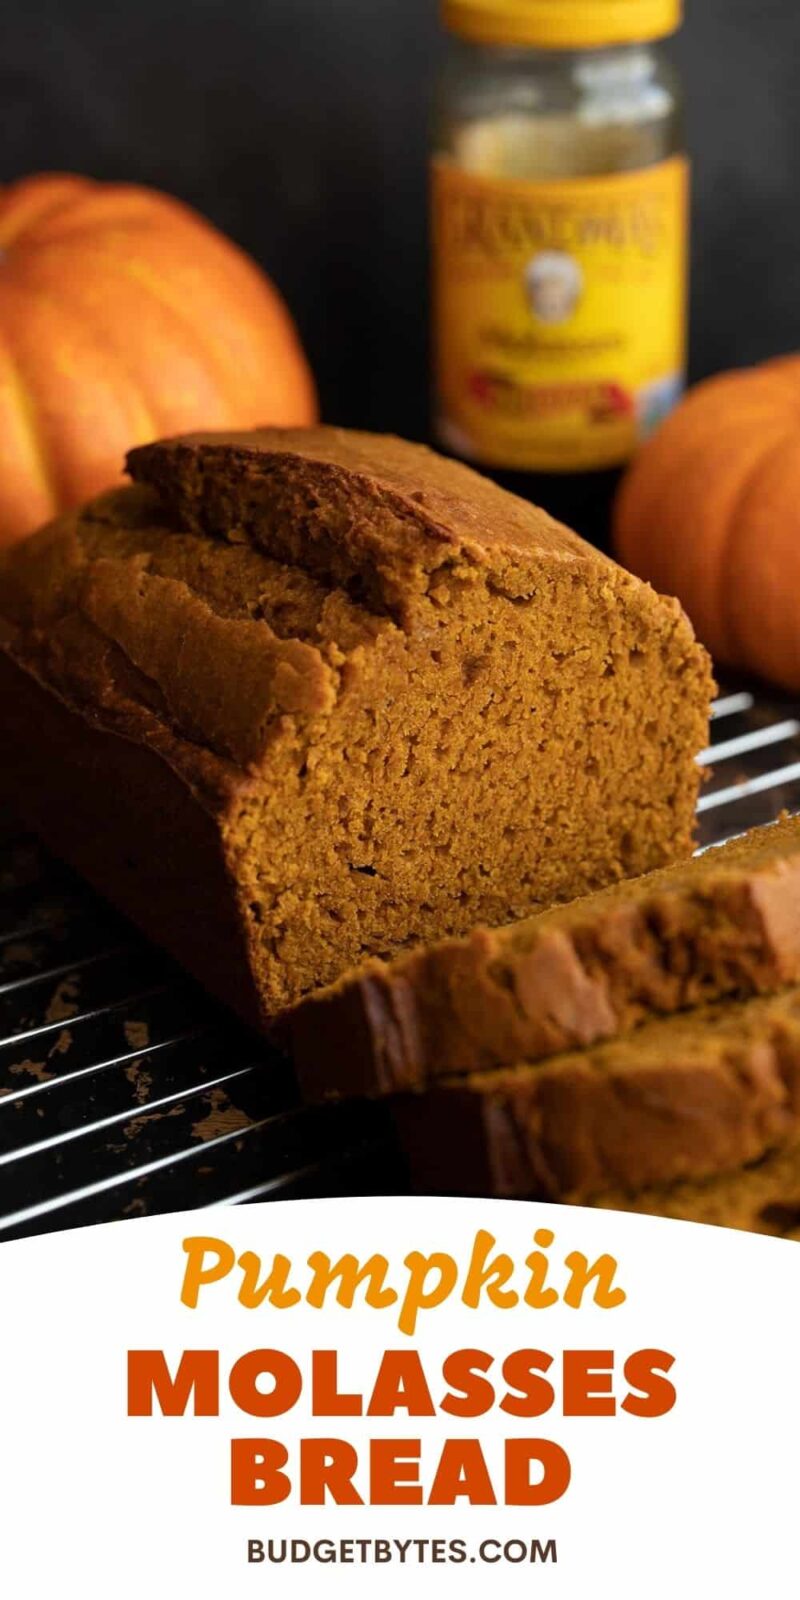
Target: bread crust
118,807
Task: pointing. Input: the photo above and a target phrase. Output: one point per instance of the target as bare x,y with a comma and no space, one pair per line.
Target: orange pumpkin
124,316
710,511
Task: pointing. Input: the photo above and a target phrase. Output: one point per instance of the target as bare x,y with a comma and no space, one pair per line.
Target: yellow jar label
559,314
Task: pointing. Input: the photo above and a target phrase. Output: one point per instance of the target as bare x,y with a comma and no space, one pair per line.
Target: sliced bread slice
684,1098
725,924
763,1198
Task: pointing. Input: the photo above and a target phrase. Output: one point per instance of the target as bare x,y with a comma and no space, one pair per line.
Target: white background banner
699,1501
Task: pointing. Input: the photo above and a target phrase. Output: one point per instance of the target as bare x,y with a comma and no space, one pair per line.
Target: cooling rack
124,1091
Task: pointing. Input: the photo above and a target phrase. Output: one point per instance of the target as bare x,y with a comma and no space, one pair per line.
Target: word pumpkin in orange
710,511
124,316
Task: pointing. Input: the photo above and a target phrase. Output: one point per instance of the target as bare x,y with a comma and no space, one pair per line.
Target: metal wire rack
125,1091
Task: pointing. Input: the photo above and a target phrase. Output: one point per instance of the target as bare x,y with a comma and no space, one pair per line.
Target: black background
300,127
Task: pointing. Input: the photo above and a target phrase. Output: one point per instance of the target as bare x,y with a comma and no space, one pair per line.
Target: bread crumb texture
408,701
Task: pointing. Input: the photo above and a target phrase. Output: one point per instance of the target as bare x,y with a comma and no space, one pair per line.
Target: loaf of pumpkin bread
301,697
726,923
685,1098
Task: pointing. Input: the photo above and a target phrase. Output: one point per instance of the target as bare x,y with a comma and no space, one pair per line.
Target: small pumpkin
124,316
710,512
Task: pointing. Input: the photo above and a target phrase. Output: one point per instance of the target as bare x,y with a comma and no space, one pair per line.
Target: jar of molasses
560,200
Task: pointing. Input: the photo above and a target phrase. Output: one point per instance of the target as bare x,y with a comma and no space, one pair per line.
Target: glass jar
560,190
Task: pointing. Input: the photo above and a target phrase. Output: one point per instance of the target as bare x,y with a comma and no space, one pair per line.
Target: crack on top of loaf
357,560
351,509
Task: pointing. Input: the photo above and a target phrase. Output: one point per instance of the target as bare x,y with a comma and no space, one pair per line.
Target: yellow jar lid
562,24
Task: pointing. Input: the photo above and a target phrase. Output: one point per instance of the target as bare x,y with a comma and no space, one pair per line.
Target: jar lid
562,24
